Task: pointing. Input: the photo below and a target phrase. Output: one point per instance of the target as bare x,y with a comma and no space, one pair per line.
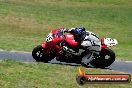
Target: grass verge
38,75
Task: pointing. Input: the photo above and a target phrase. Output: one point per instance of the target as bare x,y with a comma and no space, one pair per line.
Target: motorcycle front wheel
39,54
105,59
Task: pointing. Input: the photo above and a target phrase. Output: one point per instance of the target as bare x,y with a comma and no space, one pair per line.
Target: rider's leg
86,59
90,56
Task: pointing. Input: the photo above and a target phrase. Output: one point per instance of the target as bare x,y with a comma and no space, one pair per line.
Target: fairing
70,40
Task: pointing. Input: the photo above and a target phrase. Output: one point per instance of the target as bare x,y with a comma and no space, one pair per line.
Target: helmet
79,34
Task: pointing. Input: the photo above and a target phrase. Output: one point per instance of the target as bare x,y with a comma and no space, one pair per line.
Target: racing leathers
91,43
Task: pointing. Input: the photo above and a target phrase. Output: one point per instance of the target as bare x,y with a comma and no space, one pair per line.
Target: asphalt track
122,66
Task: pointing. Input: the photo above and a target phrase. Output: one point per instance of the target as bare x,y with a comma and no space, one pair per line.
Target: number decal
49,37
110,41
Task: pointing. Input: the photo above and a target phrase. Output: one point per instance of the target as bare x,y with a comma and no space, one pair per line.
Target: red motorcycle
53,47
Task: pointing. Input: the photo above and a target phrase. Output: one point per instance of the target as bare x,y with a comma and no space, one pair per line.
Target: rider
88,41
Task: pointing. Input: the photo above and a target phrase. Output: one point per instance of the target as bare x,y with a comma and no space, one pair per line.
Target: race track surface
122,66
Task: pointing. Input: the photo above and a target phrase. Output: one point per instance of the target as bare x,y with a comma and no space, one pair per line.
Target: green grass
38,75
25,23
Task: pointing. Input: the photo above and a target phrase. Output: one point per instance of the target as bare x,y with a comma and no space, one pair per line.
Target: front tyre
105,59
39,54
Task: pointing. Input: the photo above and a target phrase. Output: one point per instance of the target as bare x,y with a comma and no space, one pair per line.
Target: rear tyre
105,59
39,54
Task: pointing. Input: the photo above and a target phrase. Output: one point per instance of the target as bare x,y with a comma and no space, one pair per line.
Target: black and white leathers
90,42
93,44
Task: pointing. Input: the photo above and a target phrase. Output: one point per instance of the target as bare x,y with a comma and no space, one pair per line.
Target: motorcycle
53,47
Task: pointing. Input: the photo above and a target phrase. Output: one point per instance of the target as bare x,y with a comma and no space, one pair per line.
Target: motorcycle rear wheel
105,59
39,54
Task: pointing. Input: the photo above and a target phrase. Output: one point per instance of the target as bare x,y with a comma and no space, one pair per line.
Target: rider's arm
86,42
65,30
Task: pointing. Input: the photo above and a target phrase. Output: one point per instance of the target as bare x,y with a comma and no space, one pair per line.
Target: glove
68,30
65,30
71,29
